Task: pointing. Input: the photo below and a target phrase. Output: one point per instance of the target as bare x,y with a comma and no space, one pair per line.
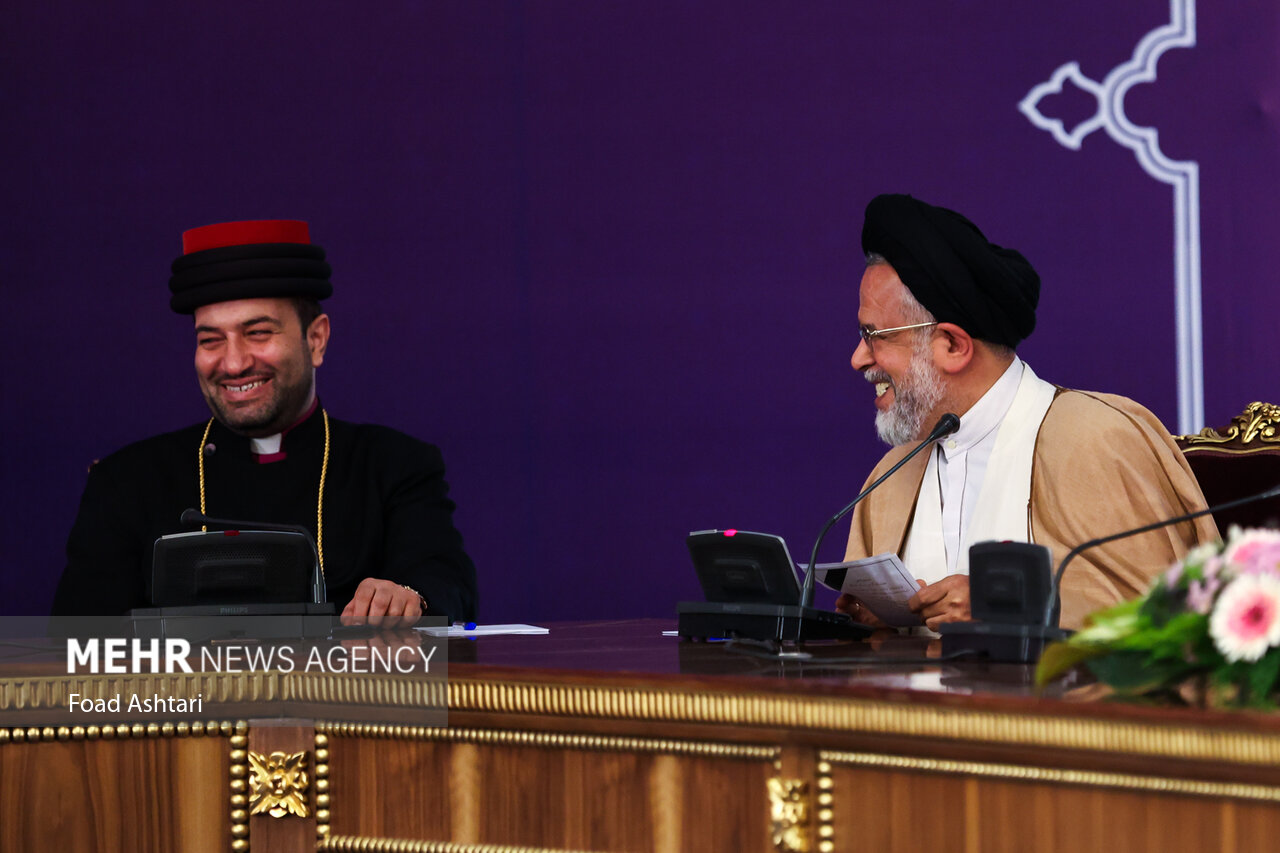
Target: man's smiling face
908,384
256,364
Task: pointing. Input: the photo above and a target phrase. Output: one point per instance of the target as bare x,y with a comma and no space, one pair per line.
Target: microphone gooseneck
1056,586
192,517
946,425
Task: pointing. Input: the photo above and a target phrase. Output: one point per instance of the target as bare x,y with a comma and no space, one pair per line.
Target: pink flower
1246,618
1200,594
1212,566
1255,551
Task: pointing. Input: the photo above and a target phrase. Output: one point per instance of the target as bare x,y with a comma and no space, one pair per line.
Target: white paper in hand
881,583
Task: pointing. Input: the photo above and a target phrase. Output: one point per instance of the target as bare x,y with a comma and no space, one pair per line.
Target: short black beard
284,412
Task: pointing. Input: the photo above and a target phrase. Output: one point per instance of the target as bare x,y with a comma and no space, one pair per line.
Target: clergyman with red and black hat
941,311
375,499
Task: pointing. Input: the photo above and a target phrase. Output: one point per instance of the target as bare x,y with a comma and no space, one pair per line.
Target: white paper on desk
483,630
881,583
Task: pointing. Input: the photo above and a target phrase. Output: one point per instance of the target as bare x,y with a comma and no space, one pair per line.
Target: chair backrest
1238,460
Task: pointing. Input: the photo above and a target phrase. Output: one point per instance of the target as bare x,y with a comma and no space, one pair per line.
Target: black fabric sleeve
103,575
423,548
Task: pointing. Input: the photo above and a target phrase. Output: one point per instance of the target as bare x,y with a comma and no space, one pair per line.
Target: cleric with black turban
940,310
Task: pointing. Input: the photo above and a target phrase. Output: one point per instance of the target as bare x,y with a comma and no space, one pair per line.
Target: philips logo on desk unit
120,656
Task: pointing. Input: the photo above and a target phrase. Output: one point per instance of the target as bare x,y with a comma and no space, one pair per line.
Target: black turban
955,272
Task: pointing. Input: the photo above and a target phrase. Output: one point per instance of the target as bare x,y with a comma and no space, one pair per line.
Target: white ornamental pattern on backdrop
1183,175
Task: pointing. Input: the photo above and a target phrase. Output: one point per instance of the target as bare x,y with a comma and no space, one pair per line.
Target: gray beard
913,400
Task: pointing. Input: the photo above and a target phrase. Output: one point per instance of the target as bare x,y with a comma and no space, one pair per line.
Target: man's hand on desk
383,604
944,601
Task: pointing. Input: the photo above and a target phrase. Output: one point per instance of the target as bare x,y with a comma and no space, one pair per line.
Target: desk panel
523,788
127,791
610,737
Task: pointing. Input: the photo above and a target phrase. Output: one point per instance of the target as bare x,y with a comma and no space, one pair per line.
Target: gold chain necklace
324,472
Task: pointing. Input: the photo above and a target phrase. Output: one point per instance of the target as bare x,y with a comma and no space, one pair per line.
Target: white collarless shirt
959,461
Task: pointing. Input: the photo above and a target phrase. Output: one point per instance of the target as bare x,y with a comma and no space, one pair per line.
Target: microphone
946,425
191,517
1055,587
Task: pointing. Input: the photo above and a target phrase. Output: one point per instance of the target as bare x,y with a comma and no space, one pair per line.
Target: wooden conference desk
609,736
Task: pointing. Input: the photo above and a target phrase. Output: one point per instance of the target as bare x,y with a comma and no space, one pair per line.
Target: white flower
1246,618
1200,554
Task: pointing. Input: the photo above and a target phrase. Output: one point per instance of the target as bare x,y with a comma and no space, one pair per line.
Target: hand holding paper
944,601
881,583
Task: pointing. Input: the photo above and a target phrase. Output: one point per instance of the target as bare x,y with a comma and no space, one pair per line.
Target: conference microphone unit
319,593
793,623
1023,641
254,580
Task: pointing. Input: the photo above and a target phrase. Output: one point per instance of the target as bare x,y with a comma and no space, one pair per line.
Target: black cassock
386,512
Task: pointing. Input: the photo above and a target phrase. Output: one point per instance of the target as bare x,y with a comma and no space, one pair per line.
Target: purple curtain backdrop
604,254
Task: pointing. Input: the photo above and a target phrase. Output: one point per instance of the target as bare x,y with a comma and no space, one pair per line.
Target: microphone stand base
998,642
781,623
203,623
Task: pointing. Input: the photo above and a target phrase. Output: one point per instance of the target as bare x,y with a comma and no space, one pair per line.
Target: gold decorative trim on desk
599,743
239,790
365,844
1052,775
396,691
278,784
669,704
789,814
322,784
826,803
121,731
842,714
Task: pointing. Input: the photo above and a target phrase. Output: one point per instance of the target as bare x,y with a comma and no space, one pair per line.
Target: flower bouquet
1207,631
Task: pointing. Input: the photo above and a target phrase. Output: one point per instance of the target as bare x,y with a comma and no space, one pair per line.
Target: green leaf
1160,604
1170,640
1057,658
1262,677
1136,672
1107,626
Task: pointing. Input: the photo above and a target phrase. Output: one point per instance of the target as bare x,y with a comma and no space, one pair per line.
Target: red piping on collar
266,458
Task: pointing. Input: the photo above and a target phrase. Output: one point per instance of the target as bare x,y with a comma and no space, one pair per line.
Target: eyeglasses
869,334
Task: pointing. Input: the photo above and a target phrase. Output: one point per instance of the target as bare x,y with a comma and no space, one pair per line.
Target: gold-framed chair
1240,459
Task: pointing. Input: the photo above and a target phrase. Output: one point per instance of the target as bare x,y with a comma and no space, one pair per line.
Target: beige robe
1102,464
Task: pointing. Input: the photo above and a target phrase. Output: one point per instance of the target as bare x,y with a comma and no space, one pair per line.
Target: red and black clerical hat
247,260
